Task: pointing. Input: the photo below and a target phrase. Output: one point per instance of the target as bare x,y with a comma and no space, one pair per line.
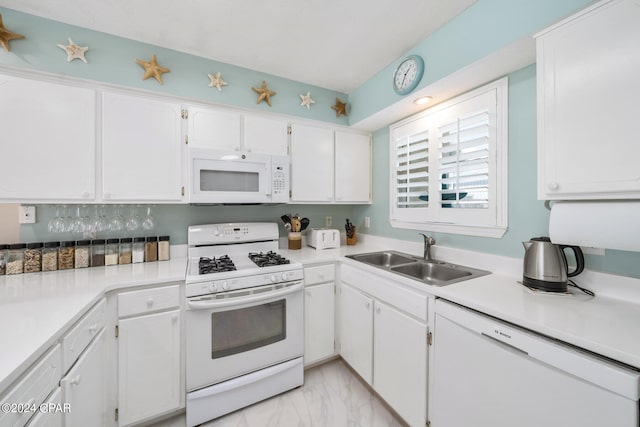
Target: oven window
237,331
220,180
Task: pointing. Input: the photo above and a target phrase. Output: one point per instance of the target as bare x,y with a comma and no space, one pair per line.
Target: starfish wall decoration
216,81
340,108
264,94
152,69
74,51
6,36
306,100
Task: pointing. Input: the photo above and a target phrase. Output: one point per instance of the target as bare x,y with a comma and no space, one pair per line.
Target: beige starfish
216,81
152,69
6,36
340,108
74,51
264,94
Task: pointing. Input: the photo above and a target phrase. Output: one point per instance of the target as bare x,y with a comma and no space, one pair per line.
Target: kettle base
543,285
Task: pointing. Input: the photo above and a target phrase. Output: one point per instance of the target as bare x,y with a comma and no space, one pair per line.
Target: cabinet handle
174,318
308,293
75,381
368,305
378,310
554,186
150,302
93,329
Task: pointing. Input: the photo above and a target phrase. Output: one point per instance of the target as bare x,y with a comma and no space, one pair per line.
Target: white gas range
244,318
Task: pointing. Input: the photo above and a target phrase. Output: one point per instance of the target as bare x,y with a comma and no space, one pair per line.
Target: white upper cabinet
588,91
48,141
325,169
353,167
141,149
229,130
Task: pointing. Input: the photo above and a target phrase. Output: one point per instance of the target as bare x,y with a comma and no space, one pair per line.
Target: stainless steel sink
431,272
384,259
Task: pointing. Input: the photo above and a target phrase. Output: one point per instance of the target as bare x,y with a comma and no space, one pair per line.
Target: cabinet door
353,168
48,141
265,135
84,387
53,416
141,149
311,164
400,363
588,88
149,366
215,129
318,322
356,331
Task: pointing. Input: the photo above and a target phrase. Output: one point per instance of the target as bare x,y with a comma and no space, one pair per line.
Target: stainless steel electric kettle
545,265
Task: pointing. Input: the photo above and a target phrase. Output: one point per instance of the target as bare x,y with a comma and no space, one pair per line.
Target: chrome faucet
428,242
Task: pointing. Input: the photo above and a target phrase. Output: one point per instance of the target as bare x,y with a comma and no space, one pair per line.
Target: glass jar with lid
111,252
3,259
83,255
126,248
163,248
50,256
151,249
66,255
138,249
97,252
33,258
15,258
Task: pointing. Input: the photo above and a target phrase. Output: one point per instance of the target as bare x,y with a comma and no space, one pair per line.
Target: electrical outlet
367,222
328,221
27,215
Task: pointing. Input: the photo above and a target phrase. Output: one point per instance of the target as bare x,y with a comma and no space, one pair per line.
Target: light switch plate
27,215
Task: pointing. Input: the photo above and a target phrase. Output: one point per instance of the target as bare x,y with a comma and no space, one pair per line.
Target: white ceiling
335,44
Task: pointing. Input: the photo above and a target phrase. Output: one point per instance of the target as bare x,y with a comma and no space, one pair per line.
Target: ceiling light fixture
422,100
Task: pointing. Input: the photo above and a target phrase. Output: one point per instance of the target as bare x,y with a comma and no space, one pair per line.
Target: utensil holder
295,240
352,240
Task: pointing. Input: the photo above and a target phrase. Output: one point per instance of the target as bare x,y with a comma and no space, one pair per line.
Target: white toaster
323,238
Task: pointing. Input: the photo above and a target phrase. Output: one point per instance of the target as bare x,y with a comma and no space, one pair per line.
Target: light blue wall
527,216
112,60
484,28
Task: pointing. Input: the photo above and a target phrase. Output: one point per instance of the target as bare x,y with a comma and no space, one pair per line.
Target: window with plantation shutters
448,165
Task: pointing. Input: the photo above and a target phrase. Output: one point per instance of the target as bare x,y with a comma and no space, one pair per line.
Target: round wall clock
408,74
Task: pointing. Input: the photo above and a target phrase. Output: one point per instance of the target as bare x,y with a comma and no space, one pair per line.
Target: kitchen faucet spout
428,242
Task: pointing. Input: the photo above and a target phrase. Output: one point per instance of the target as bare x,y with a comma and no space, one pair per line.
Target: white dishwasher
490,373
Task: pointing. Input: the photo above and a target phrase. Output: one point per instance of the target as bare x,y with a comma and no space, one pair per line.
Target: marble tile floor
332,396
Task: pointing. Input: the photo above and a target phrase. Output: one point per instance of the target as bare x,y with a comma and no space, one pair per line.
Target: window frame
434,218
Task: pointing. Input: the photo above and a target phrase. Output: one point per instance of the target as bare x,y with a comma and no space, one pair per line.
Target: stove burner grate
267,259
215,265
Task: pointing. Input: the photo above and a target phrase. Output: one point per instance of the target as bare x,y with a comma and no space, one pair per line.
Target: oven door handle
199,305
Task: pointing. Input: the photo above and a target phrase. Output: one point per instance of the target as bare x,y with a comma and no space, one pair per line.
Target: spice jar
82,253
3,259
33,258
97,253
138,249
15,258
50,256
111,252
126,248
66,255
151,249
163,248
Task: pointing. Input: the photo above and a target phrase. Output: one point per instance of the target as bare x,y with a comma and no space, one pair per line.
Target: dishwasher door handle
244,299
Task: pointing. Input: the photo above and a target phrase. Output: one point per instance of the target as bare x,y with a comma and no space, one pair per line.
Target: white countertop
37,308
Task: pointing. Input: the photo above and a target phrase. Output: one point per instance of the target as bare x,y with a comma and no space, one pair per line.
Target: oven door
229,177
234,333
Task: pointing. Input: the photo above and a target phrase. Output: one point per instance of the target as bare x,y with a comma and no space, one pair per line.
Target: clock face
408,74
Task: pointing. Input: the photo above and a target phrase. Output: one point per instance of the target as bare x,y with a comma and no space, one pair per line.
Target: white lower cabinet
83,387
50,414
319,313
383,337
149,355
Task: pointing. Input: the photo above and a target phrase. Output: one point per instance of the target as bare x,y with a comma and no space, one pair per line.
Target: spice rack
34,257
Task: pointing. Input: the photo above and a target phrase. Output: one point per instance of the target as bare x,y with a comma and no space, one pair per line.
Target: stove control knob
225,285
213,287
285,276
274,278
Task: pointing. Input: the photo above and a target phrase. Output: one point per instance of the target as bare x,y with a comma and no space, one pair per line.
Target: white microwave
223,177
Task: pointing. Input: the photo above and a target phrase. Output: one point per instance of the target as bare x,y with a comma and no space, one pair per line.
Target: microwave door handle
199,305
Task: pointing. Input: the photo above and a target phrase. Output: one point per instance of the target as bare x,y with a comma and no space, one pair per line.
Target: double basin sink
431,272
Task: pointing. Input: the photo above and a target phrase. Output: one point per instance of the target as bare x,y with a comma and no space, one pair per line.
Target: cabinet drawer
53,416
36,385
148,300
319,274
81,335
